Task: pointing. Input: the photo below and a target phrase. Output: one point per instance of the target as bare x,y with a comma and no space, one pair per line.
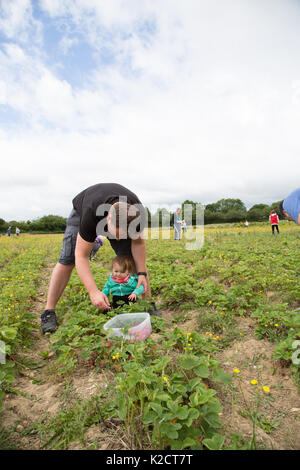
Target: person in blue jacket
177,224
290,207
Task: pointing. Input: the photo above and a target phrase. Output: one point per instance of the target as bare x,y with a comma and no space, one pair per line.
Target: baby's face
118,272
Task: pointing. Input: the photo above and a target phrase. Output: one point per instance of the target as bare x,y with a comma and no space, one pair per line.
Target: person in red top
274,219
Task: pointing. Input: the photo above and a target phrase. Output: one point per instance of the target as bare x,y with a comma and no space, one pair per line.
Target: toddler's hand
132,297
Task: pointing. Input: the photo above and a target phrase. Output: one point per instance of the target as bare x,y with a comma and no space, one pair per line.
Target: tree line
223,211
45,224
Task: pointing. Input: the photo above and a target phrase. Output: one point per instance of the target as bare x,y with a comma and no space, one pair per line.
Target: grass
215,291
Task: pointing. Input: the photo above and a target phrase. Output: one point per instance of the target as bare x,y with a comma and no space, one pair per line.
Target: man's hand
100,300
143,280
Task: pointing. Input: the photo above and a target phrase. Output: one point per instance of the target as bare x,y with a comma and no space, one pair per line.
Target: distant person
274,220
107,209
290,207
177,224
8,231
183,226
17,231
246,224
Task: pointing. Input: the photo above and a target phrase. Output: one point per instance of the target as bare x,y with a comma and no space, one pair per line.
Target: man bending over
106,209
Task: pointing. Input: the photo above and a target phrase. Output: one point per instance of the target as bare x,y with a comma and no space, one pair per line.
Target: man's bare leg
59,279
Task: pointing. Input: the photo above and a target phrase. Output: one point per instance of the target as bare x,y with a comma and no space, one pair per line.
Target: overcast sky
174,99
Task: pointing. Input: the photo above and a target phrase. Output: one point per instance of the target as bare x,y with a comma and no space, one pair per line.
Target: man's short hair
123,214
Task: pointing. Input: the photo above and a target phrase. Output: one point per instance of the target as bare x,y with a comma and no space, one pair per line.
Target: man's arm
138,250
82,252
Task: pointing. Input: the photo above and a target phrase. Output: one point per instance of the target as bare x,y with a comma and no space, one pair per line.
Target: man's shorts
67,254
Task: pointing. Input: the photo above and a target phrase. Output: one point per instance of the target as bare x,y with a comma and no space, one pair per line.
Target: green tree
3,225
49,223
225,210
226,205
259,212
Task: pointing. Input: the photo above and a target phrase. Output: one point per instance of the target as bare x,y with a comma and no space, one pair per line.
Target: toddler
122,283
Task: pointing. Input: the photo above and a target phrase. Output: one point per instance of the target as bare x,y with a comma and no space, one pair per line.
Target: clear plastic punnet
131,326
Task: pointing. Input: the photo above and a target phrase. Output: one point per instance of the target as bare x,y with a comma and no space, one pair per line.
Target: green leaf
188,442
215,443
157,408
201,397
182,413
193,383
170,430
172,406
213,420
202,371
193,414
189,362
160,364
149,417
163,396
8,333
220,376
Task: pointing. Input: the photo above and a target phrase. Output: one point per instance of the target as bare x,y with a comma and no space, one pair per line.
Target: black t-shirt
93,204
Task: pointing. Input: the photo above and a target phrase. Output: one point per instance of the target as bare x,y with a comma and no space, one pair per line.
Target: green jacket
124,288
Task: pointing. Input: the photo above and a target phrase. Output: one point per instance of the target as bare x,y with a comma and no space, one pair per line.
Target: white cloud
199,103
67,43
17,21
15,16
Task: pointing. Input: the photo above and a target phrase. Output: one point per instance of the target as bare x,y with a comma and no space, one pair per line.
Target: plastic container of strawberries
131,326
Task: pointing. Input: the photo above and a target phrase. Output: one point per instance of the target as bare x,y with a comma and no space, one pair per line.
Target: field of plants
219,371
